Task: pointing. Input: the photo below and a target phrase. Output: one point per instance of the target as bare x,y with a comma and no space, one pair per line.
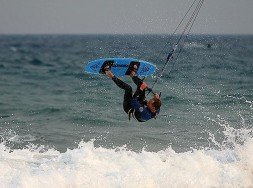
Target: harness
131,113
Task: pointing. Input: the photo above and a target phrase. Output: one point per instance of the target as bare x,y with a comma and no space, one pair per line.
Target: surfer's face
151,106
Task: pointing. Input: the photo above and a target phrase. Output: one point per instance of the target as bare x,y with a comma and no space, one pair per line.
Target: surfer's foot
133,71
108,72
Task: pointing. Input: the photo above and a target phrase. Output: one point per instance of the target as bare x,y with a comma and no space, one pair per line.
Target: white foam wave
22,139
229,165
87,166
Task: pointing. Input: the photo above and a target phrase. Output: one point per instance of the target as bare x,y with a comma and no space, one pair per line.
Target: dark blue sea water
62,127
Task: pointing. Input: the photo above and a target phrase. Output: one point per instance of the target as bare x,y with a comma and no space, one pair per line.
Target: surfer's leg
128,96
137,81
140,92
119,82
122,84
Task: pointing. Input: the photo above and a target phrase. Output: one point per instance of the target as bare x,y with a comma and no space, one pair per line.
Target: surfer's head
157,104
154,104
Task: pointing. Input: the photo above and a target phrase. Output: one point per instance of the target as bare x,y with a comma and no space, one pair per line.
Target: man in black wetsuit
136,105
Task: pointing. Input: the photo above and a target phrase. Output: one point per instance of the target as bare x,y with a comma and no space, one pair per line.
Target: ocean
62,127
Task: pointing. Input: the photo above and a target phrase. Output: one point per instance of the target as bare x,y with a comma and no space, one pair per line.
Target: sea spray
88,166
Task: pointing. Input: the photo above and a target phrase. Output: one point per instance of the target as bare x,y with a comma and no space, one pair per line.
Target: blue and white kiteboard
120,66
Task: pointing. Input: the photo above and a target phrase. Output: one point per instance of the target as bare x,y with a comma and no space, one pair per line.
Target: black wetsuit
134,105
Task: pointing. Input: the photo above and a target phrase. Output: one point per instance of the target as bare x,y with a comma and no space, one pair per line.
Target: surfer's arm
139,82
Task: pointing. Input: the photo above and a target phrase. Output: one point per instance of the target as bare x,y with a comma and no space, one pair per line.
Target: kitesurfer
135,105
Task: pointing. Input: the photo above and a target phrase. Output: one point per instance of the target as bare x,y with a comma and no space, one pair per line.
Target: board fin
131,67
106,63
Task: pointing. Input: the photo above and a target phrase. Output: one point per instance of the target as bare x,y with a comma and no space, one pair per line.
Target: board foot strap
131,67
105,64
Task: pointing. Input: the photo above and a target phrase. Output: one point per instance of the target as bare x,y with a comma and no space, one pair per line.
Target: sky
122,16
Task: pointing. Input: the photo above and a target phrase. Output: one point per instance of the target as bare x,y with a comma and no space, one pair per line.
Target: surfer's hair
157,104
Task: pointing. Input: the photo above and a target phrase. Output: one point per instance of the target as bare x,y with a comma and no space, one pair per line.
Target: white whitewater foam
230,165
88,166
22,139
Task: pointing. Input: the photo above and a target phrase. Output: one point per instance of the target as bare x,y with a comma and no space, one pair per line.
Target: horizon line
192,34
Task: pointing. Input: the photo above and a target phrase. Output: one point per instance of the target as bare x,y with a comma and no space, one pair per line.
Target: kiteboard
120,66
